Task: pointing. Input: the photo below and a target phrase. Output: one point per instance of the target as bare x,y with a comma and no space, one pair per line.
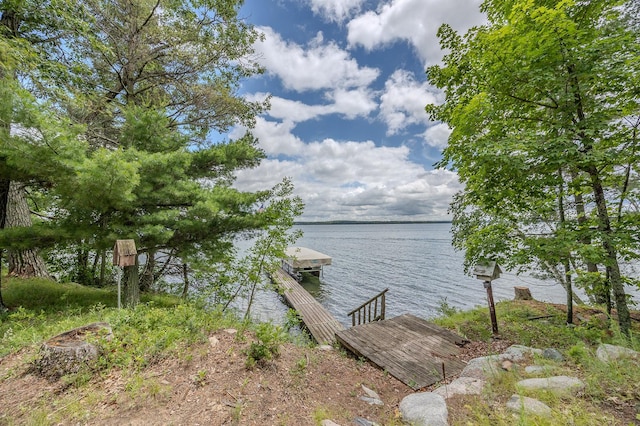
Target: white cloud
415,21
351,180
437,135
336,10
314,67
351,104
403,101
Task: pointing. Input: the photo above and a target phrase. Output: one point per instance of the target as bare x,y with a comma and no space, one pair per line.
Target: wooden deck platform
320,323
410,348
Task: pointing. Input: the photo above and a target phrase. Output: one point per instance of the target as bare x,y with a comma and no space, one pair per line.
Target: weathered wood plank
320,323
409,348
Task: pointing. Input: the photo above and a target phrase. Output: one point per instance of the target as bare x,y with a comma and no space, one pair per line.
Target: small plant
269,338
445,309
200,379
292,320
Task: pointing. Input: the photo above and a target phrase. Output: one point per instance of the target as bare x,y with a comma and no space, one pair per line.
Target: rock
517,353
424,409
231,331
213,341
359,421
325,348
608,353
461,386
372,397
482,368
327,422
558,385
552,354
70,352
507,365
538,370
519,404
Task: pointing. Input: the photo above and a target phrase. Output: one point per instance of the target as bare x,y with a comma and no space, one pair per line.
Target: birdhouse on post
488,271
124,253
125,256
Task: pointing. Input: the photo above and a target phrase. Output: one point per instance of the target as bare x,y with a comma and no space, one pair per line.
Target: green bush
267,347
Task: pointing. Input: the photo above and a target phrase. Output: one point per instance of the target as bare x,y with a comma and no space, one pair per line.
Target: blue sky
348,89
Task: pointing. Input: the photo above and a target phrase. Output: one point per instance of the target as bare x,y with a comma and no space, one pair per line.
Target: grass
611,388
164,326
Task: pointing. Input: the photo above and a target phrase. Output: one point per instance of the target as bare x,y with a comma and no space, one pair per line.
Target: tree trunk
185,274
22,263
148,277
4,192
615,279
600,297
131,285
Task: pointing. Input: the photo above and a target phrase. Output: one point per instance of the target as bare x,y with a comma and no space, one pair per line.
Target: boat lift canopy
302,259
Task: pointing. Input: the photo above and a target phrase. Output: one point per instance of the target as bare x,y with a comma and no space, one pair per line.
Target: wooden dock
411,349
320,323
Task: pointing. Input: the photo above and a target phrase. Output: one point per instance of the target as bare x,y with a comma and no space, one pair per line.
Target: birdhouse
487,270
124,253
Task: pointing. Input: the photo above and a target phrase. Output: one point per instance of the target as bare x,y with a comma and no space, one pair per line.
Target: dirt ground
210,384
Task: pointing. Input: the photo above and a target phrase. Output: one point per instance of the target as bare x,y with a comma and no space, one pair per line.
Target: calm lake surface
416,262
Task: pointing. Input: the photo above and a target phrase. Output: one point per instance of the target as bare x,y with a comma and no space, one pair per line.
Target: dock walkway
411,349
320,323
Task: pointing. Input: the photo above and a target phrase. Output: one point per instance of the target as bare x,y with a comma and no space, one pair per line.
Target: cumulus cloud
350,104
403,101
437,135
414,21
314,67
336,10
340,180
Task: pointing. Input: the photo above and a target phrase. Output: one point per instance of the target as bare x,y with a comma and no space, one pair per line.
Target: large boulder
424,409
608,353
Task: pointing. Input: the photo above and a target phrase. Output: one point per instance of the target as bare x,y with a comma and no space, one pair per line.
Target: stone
372,397
461,386
327,422
359,421
231,331
517,353
325,348
424,409
482,368
558,385
552,354
213,341
538,370
608,353
518,404
507,365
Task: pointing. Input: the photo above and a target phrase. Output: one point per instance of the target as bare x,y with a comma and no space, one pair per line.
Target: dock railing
371,310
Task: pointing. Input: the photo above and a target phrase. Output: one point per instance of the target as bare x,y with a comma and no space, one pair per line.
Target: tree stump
523,293
70,352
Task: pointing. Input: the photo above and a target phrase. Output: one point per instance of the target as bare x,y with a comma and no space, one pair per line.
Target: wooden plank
320,323
409,348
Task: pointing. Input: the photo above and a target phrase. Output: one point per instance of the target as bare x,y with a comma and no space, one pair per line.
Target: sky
348,89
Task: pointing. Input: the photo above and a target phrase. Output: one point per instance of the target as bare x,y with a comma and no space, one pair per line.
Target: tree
542,103
30,34
154,86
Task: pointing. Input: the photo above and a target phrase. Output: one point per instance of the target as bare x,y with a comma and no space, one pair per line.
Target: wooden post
492,307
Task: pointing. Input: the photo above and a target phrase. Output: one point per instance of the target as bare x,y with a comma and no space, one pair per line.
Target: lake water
416,262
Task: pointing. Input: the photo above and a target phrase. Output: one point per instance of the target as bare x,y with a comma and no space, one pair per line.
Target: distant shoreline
368,222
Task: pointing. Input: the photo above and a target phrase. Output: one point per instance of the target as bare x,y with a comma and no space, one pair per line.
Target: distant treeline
369,222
